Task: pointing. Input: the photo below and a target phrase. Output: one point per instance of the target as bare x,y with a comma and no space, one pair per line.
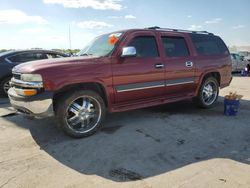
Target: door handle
159,66
189,64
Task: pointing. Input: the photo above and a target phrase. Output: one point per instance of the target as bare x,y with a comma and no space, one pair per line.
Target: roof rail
179,30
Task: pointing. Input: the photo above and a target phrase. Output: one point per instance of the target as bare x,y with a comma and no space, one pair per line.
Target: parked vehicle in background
238,63
121,71
10,59
245,54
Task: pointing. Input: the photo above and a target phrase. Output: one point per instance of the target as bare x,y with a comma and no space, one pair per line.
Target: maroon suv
122,71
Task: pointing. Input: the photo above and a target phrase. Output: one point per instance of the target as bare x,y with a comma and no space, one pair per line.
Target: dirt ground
174,145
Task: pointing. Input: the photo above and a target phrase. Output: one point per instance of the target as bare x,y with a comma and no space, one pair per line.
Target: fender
108,90
204,73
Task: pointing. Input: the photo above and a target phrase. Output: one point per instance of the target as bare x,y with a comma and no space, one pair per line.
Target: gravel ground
174,145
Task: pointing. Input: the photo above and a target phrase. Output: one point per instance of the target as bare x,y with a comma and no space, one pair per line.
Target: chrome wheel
83,114
209,93
6,86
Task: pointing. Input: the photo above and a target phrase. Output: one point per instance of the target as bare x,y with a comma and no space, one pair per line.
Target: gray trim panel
156,84
139,86
179,81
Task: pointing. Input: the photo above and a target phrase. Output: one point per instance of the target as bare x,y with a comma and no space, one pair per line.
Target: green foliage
3,50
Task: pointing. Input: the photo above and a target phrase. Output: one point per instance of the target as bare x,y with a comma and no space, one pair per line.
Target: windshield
101,46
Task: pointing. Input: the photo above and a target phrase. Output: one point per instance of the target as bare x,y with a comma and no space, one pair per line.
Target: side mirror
129,51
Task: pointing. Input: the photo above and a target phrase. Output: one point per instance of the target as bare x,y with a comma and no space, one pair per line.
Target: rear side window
209,45
21,58
175,46
145,46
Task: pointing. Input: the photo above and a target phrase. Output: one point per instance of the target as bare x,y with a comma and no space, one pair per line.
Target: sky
45,23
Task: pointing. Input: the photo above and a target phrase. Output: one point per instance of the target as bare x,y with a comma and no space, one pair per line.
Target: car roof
13,52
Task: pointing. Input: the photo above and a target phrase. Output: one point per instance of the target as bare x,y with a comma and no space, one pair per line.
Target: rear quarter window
209,44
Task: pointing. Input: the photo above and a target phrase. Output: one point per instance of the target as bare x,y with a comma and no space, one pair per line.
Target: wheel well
85,86
213,74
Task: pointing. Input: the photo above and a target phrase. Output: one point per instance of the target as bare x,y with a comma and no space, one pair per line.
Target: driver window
145,46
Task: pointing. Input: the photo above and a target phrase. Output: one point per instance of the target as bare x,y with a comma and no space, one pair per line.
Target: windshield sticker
113,38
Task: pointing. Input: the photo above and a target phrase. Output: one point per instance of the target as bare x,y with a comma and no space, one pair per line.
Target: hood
33,66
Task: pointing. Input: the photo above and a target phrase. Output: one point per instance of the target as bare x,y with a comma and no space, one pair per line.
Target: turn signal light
26,92
29,92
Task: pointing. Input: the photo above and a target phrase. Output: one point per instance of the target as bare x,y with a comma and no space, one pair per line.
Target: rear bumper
40,105
226,84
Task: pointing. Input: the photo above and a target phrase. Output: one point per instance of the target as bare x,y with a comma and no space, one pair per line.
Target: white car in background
246,55
238,62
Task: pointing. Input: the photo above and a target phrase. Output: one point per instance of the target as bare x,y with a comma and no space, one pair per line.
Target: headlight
31,78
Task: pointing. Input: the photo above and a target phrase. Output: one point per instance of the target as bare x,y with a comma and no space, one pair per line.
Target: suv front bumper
40,105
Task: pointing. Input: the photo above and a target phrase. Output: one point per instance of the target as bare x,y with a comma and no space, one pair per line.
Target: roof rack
179,30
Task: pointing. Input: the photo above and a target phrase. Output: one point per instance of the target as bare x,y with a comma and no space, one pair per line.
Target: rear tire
80,113
4,86
208,93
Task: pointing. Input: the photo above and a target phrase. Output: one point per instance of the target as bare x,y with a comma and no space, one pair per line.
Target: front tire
208,93
4,86
80,113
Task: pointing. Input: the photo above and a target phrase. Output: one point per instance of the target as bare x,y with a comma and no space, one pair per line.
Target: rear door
141,77
180,67
5,68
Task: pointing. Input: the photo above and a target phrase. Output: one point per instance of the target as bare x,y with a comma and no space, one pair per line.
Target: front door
141,77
